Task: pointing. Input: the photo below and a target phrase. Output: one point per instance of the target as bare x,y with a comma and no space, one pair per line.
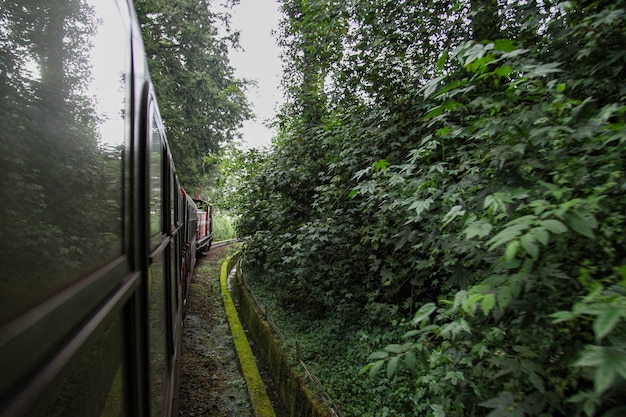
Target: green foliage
223,228
201,101
475,187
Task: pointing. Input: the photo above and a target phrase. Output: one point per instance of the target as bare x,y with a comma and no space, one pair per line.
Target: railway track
264,395
222,243
212,383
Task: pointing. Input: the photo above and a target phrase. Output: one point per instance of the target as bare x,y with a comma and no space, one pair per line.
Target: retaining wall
298,398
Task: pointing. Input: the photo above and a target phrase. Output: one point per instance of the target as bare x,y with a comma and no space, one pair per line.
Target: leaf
530,247
542,69
505,45
479,65
438,410
431,86
441,61
608,363
376,367
516,282
454,328
459,299
541,235
400,241
454,212
378,355
496,202
561,316
511,250
412,333
469,304
514,53
504,297
421,205
423,313
584,111
503,401
608,317
395,348
449,87
487,303
380,165
603,378
434,112
392,365
479,228
554,226
537,382
410,359
361,173
512,231
581,222
503,71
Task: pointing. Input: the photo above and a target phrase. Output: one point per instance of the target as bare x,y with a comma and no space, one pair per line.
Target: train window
156,179
157,333
173,202
62,113
92,384
174,268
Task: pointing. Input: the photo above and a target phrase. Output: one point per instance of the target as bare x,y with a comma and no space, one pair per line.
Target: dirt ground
211,380
211,383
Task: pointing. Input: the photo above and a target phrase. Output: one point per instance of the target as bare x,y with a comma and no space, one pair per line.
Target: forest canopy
446,195
202,103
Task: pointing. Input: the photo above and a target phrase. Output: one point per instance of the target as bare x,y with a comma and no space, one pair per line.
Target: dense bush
223,228
460,185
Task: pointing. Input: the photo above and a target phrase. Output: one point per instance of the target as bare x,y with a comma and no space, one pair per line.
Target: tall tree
202,102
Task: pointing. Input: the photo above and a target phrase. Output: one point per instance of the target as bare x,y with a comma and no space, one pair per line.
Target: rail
221,243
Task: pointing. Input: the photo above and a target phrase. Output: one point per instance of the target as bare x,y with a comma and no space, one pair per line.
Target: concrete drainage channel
258,396
300,391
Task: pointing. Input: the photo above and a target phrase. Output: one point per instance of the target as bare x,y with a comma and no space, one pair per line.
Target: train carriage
97,242
204,214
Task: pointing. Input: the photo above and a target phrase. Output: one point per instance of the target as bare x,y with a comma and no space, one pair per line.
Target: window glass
173,192
157,334
93,383
174,281
156,177
62,145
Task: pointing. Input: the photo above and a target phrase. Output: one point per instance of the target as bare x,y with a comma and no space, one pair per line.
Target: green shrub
223,228
463,200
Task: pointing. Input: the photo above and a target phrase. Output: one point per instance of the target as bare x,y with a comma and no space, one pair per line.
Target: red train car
205,225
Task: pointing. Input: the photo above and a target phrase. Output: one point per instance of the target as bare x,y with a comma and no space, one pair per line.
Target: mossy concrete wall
297,397
256,388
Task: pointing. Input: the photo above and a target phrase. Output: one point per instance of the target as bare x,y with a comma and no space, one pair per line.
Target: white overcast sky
258,60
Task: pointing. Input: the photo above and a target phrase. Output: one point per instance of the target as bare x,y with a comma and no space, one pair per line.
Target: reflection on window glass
157,334
93,384
61,148
174,268
156,178
173,192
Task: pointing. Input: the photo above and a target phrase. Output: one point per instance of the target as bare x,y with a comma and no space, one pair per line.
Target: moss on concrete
258,395
292,385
